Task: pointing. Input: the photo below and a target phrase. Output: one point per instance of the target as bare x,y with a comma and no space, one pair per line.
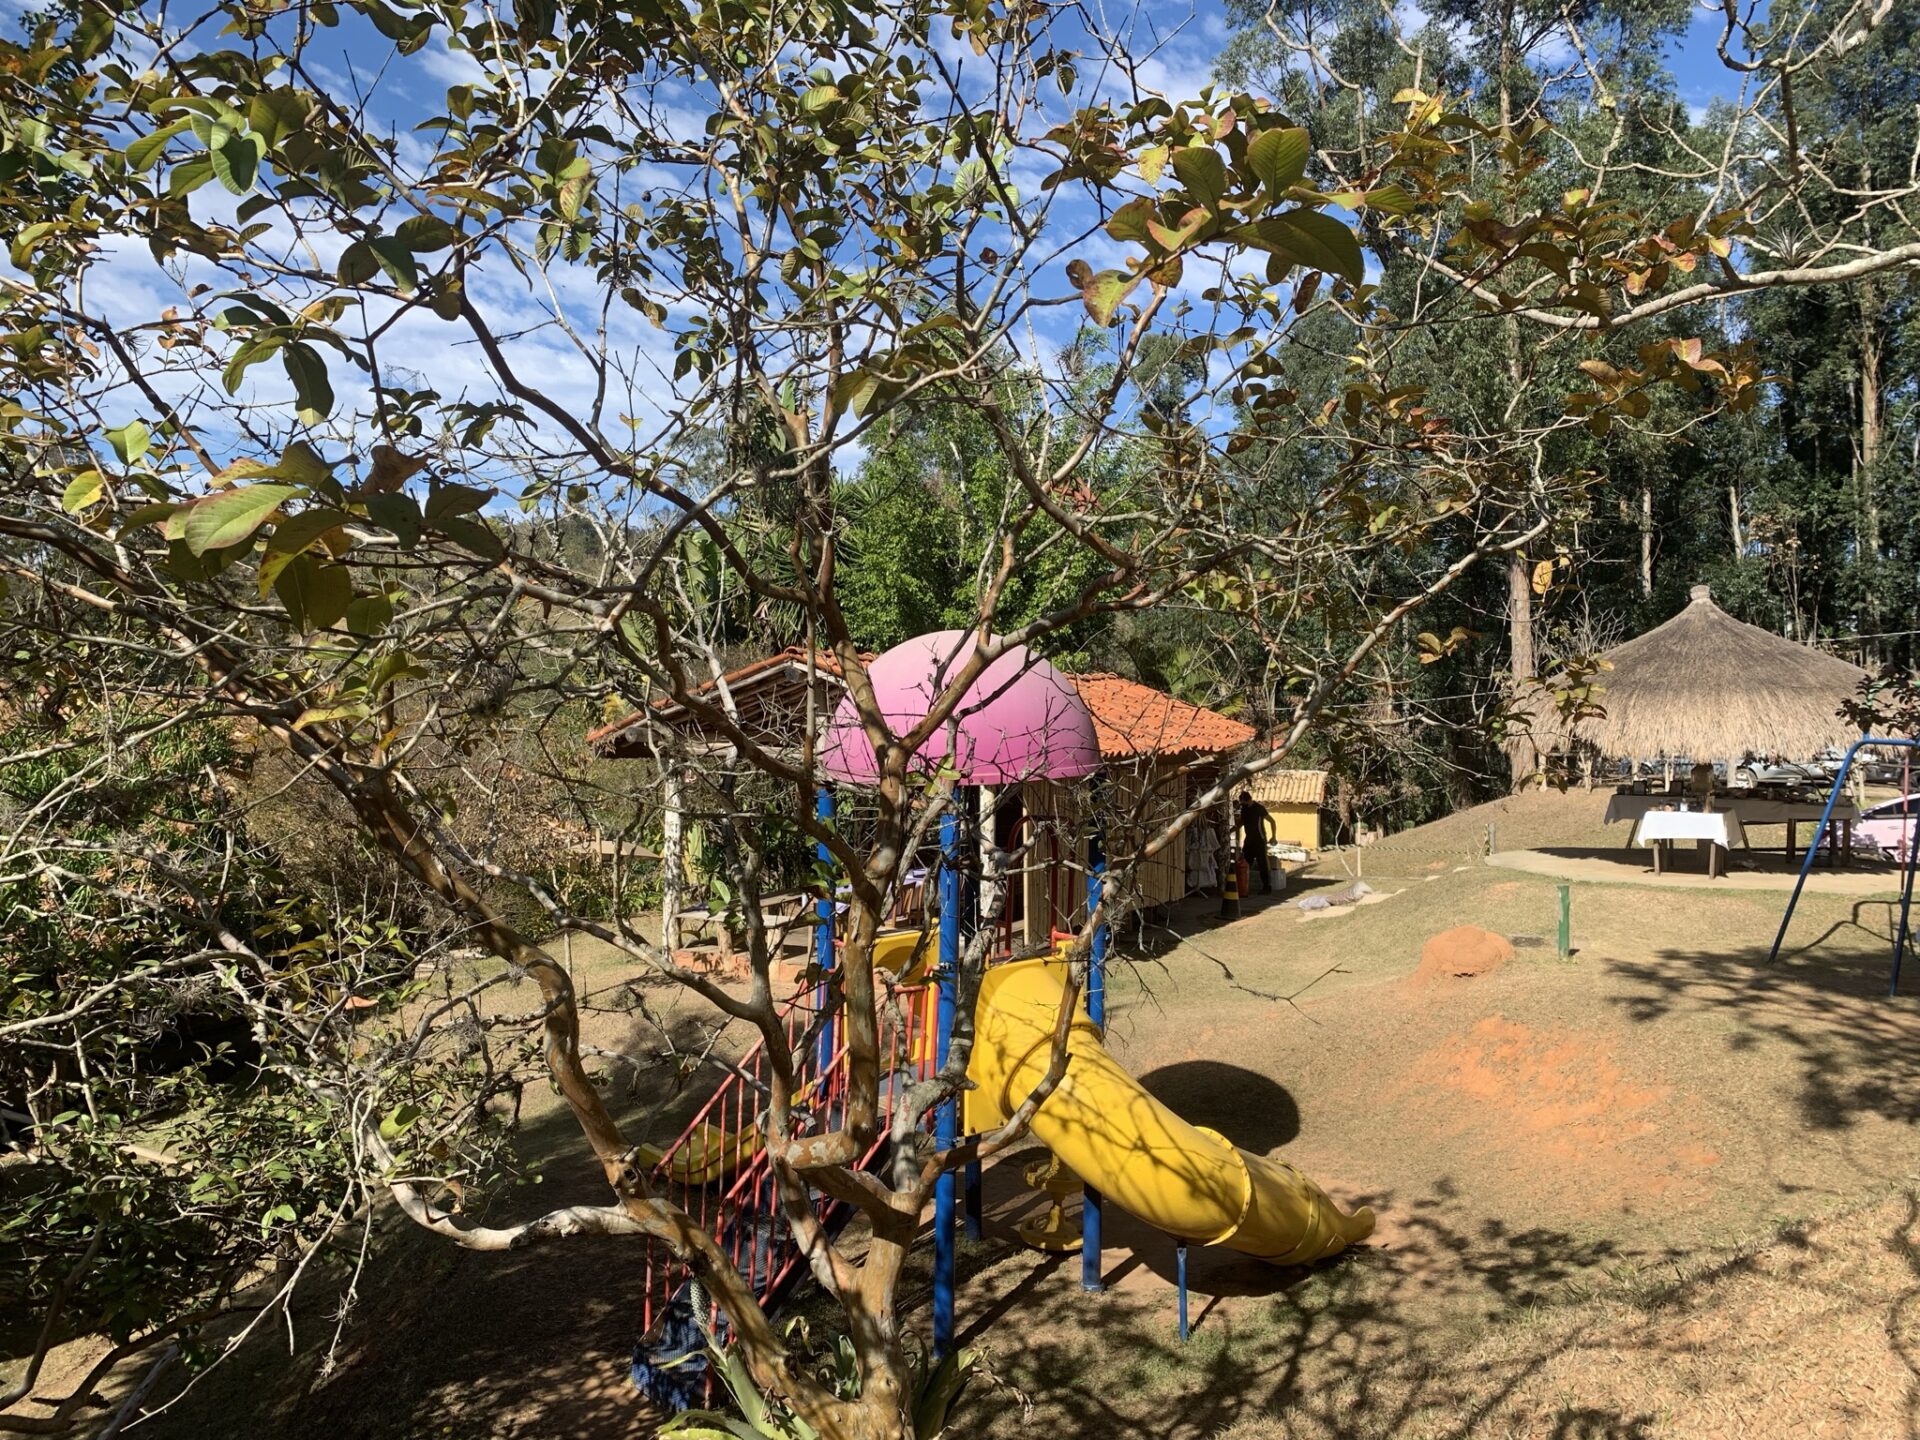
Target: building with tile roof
1161,754
1134,720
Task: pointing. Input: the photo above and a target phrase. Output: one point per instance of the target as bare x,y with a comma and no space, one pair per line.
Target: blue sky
1176,46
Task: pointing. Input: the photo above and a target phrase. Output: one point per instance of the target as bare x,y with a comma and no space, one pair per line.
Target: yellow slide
1180,1178
709,1157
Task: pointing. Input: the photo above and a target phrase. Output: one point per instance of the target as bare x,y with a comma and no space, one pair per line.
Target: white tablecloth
1752,809
1720,826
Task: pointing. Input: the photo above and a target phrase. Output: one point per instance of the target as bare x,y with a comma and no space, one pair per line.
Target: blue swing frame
1900,931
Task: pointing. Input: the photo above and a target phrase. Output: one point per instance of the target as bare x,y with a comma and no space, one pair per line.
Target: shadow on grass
1345,1349
1856,1049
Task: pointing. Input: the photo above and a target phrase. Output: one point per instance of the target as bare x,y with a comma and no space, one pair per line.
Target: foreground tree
372,427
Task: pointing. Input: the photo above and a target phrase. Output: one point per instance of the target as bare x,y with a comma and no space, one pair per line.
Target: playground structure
1901,928
1020,721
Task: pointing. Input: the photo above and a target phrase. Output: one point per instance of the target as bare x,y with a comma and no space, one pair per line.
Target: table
1714,831
1752,810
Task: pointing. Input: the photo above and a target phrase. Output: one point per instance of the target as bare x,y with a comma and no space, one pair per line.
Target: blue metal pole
947,1120
1813,849
971,1198
1097,1012
823,932
1180,1262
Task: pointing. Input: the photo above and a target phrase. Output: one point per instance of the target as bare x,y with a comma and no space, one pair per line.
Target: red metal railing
741,1205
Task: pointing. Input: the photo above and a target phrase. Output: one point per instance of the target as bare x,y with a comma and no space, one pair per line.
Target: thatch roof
1709,687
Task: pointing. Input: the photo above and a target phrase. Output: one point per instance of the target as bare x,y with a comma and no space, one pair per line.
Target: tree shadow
1856,1049
1347,1348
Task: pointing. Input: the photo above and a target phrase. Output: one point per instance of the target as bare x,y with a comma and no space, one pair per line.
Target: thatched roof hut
1709,687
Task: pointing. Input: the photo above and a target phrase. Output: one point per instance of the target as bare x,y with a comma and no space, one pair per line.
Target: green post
1566,921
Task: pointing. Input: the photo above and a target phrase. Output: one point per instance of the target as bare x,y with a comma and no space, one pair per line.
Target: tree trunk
1520,749
673,856
1646,542
1872,435
1733,517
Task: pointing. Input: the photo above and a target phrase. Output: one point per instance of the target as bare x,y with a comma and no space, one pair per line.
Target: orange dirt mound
1462,953
1555,1101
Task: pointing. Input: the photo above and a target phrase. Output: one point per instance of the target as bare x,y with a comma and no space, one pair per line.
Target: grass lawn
1662,1188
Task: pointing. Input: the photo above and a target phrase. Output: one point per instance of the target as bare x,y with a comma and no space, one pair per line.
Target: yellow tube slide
1180,1178
709,1156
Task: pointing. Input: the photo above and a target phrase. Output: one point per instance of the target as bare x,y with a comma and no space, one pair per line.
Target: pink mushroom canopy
1021,719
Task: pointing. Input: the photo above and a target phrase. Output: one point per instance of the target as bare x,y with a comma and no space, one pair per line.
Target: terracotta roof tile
1132,719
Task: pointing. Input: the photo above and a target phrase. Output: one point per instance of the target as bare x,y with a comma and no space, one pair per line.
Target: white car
1889,825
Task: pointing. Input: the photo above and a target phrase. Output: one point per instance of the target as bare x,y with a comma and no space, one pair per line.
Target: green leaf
818,97
390,668
424,233
236,158
275,114
1388,200
1279,158
397,513
739,1382
369,615
1104,292
230,516
358,264
448,500
83,490
93,32
144,153
278,1212
251,352
315,595
311,387
399,1119
853,392
301,532
1129,222
474,537
321,714
131,441
188,176
396,259
271,566
1309,238
302,464
21,251
1203,172
146,515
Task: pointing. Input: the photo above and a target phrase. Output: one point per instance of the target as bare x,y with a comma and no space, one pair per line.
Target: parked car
1889,826
1886,767
1814,774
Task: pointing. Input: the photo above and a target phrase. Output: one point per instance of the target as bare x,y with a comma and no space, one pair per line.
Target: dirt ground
1662,1188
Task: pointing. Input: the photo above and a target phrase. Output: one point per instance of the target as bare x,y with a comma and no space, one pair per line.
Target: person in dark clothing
1255,829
